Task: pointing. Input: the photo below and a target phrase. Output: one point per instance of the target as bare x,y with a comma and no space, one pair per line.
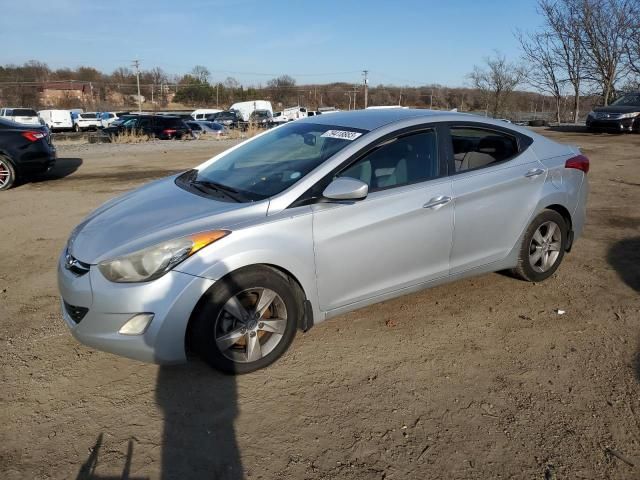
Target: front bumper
110,305
619,125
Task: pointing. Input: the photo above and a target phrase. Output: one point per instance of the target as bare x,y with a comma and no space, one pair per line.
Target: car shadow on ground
624,257
63,168
199,408
567,128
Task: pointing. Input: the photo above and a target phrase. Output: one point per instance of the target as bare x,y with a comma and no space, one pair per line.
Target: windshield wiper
230,192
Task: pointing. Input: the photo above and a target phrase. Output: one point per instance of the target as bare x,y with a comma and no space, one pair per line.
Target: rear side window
171,122
479,147
24,112
400,161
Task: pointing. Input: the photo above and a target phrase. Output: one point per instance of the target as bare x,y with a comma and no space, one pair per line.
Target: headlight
629,115
153,262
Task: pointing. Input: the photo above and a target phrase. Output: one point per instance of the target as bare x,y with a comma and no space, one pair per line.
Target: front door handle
436,202
534,172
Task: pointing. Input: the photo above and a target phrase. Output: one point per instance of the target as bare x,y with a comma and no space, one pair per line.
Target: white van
57,119
247,108
25,116
203,113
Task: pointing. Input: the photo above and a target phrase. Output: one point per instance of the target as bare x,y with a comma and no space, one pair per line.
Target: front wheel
543,247
247,320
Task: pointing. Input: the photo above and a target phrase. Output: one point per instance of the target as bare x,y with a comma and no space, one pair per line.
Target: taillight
169,131
33,136
579,162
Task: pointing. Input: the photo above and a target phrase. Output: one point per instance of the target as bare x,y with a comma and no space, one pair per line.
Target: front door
400,235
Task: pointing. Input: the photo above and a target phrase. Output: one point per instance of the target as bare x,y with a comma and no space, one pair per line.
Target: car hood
618,109
151,214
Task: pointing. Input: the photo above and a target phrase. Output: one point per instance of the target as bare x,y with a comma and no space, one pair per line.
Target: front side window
400,161
479,147
273,162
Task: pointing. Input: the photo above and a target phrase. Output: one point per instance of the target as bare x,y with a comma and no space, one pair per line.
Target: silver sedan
311,220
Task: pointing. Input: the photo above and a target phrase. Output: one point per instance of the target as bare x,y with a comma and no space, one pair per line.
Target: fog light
137,324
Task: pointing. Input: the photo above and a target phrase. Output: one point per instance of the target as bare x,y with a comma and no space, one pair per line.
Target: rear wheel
247,320
7,174
543,247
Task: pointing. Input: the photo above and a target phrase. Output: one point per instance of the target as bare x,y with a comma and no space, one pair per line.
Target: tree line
583,48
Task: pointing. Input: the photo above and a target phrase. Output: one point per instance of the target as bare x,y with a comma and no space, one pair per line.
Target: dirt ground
476,379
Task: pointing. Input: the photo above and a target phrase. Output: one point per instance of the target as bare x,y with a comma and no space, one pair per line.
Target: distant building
52,93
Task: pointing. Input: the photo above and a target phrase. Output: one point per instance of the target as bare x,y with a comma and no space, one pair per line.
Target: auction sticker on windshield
341,134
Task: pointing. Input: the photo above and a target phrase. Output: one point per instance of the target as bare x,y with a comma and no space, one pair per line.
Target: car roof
376,118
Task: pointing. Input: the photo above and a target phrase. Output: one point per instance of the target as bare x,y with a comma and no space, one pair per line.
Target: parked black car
261,118
229,118
623,115
25,150
164,127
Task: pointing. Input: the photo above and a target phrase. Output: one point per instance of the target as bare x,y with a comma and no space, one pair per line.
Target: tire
223,339
540,256
7,173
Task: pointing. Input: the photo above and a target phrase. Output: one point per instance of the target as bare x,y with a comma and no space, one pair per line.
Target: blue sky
402,42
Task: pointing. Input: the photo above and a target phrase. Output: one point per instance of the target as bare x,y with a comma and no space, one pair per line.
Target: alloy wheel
5,174
250,325
545,246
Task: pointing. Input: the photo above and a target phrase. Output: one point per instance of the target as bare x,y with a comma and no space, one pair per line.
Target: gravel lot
476,379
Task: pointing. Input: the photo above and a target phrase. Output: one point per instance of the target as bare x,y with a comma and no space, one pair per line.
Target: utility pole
431,100
136,65
366,87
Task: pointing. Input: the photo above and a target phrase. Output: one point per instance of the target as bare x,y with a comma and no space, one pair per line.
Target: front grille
76,313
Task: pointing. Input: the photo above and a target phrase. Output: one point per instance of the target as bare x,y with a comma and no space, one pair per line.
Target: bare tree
496,82
562,22
283,81
633,45
201,73
540,53
606,27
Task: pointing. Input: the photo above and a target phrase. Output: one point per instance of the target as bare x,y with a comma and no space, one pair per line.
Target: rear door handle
534,172
436,202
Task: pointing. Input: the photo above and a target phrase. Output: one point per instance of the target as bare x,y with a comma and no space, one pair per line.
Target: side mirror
345,188
309,139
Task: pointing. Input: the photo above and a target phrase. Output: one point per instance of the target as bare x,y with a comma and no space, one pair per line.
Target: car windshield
630,100
273,162
88,115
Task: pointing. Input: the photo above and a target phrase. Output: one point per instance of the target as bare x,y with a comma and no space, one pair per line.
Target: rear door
496,182
399,235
